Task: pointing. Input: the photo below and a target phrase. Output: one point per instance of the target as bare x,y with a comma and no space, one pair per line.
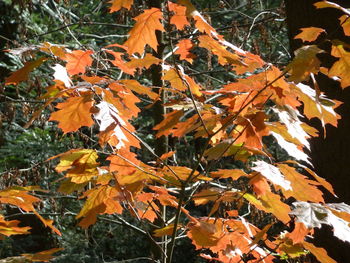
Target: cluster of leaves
230,121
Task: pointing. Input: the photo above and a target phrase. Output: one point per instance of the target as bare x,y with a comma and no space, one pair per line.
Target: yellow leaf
165,231
341,67
304,63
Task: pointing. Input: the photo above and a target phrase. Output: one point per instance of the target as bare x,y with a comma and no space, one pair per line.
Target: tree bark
330,152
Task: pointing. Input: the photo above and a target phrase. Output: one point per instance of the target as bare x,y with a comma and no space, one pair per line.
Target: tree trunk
330,152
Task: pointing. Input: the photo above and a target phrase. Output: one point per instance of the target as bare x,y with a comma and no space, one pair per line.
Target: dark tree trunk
330,152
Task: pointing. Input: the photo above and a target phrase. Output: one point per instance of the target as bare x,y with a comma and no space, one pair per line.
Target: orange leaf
74,113
170,120
299,233
260,185
309,34
118,4
9,228
77,61
185,46
144,31
43,256
119,62
234,174
345,23
146,62
179,18
319,253
22,74
224,56
302,188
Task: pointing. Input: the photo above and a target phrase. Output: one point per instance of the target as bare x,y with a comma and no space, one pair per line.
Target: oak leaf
77,61
144,31
184,47
74,113
22,74
309,34
43,256
179,18
341,68
318,252
118,4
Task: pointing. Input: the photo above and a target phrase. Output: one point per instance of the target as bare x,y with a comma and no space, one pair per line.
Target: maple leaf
74,113
340,68
77,61
118,4
144,31
184,47
309,34
22,74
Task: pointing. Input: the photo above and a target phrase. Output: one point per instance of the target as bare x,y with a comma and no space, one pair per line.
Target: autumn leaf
345,23
319,107
9,228
118,4
299,233
22,74
179,18
170,120
340,68
309,34
119,62
74,113
43,256
77,61
144,31
184,47
302,188
224,56
319,253
146,62
304,63
165,231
